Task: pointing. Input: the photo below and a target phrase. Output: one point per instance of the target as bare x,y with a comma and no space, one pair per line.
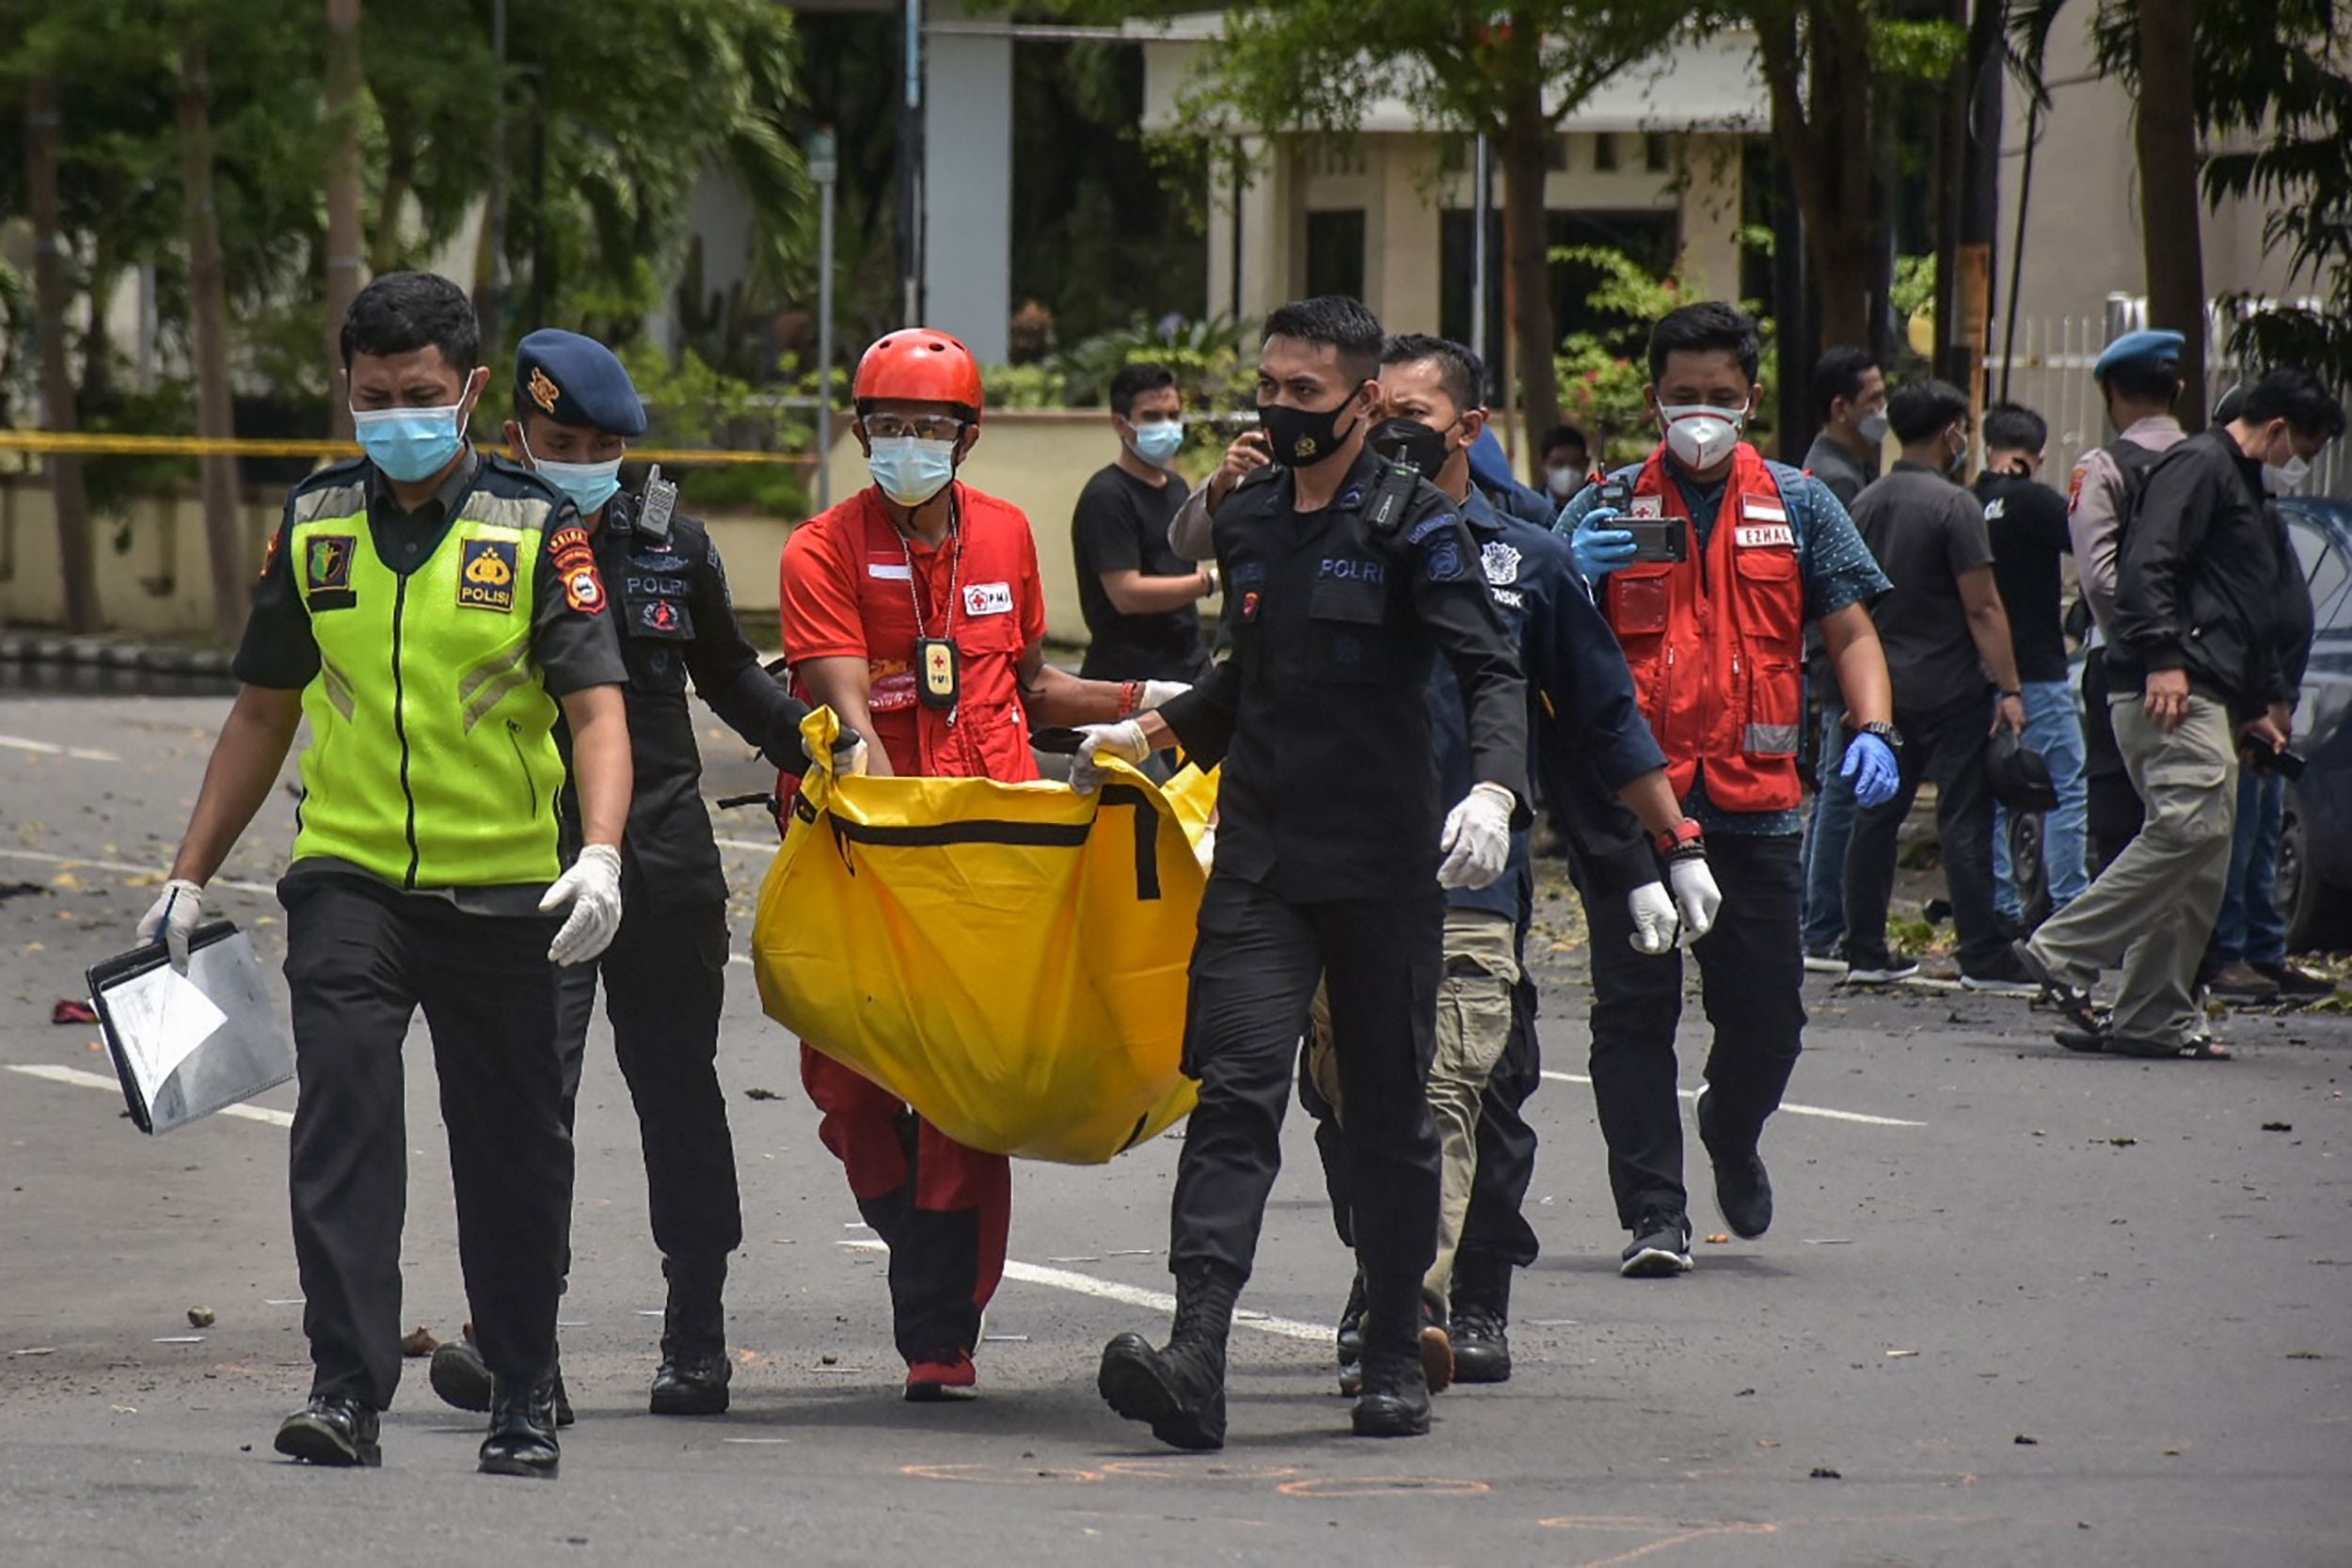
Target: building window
1651,239
1457,252
1335,253
1556,155
1658,152
1605,152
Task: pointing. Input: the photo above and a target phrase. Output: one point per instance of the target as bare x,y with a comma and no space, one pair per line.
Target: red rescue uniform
854,587
1717,643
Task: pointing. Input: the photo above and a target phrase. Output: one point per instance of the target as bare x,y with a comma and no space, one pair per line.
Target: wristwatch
1889,732
1684,837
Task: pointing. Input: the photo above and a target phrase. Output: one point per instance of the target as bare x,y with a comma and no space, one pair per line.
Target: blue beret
577,381
2148,349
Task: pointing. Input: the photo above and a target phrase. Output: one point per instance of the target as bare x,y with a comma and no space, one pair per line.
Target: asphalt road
2020,1306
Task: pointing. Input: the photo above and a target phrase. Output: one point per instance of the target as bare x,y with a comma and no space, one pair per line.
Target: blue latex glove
1599,549
1872,767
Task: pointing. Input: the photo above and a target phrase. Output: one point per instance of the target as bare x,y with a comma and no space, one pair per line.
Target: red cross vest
1717,643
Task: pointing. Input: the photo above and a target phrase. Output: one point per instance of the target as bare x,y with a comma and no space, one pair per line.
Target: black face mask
1302,437
1411,441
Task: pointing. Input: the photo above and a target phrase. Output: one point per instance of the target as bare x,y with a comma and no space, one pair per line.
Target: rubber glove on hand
1477,838
1653,912
1599,547
1696,896
1123,740
592,888
1870,766
1156,692
849,755
171,919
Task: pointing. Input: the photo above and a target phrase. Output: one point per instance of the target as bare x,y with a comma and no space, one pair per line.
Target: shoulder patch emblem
583,589
1501,563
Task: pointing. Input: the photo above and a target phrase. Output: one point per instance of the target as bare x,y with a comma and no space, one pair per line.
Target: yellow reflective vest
432,760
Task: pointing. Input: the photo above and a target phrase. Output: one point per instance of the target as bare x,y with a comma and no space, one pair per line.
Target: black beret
577,381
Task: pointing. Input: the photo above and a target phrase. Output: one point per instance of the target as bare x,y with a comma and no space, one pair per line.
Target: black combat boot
1482,1317
692,1380
1395,1401
1181,1390
1351,1339
522,1430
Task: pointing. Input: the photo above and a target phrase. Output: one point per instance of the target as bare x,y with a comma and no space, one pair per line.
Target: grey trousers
2151,911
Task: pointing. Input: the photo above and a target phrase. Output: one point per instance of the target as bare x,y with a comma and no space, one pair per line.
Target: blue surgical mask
589,484
1157,442
910,469
410,444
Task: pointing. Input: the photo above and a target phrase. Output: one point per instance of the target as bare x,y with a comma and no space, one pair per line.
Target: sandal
2075,1005
2205,1048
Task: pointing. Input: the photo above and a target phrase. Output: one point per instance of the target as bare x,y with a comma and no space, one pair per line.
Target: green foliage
1922,52
1040,386
1215,360
1914,286
690,403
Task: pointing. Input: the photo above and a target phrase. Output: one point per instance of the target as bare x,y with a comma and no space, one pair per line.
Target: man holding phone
1708,571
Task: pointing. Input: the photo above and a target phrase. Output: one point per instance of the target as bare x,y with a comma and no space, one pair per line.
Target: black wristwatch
1889,732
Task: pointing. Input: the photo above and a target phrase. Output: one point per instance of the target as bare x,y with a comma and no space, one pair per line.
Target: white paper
161,1017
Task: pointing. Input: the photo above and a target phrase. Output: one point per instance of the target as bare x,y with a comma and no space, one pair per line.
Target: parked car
2315,889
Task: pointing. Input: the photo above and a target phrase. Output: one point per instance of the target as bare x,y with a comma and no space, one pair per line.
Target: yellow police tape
90,443
1010,959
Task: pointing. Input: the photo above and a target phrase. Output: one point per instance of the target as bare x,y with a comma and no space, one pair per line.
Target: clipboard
187,1045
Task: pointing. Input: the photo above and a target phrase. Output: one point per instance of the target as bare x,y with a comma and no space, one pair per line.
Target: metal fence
2051,374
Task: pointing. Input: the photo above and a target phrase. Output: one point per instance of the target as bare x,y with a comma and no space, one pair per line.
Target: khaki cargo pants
1473,1026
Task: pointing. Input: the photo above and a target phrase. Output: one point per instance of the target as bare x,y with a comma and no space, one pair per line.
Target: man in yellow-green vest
434,615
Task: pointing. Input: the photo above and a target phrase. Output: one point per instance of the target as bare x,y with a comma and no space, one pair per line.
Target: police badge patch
1501,563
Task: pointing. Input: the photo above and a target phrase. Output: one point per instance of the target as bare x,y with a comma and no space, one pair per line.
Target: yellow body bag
1010,959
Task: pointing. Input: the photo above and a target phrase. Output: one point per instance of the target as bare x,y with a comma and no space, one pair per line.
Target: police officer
1593,741
2139,375
665,974
431,613
1349,573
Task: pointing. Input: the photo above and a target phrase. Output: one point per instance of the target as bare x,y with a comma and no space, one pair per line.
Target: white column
968,188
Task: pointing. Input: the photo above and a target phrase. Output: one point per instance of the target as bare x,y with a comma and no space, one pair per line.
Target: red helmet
918,365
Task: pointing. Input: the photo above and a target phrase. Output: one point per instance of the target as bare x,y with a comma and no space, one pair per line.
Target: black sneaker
2003,975
1744,1189
1351,1336
1660,1248
333,1430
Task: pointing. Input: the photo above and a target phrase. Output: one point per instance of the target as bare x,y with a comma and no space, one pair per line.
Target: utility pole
911,170
824,167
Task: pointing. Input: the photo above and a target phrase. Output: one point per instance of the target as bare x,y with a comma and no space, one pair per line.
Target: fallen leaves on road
761,1094
418,1342
71,1010
2278,1127
2124,1142
1718,1239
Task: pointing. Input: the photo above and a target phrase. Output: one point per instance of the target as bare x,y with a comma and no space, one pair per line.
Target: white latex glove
1123,740
172,919
1477,838
592,888
1205,851
1653,912
1696,895
1156,692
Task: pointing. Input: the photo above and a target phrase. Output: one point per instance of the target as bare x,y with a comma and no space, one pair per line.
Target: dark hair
1918,409
1135,380
2144,383
1462,373
1838,374
403,311
1338,320
1566,436
2013,427
1707,327
2297,397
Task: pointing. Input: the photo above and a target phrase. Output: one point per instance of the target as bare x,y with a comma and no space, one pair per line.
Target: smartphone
1658,538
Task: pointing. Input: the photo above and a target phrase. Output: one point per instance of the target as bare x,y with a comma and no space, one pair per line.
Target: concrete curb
103,653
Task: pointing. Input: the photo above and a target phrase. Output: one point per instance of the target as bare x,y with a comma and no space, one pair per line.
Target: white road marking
1133,1296
1792,1108
38,857
79,753
114,1085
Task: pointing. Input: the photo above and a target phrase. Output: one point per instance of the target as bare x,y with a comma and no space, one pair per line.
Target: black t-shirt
1926,533
2026,521
1122,526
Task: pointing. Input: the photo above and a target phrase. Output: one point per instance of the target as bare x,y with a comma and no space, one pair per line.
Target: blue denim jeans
2250,926
2053,728
1825,839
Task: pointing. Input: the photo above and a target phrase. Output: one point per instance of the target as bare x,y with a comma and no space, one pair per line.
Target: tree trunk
2170,236
1826,153
53,294
400,173
343,239
1526,260
208,311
